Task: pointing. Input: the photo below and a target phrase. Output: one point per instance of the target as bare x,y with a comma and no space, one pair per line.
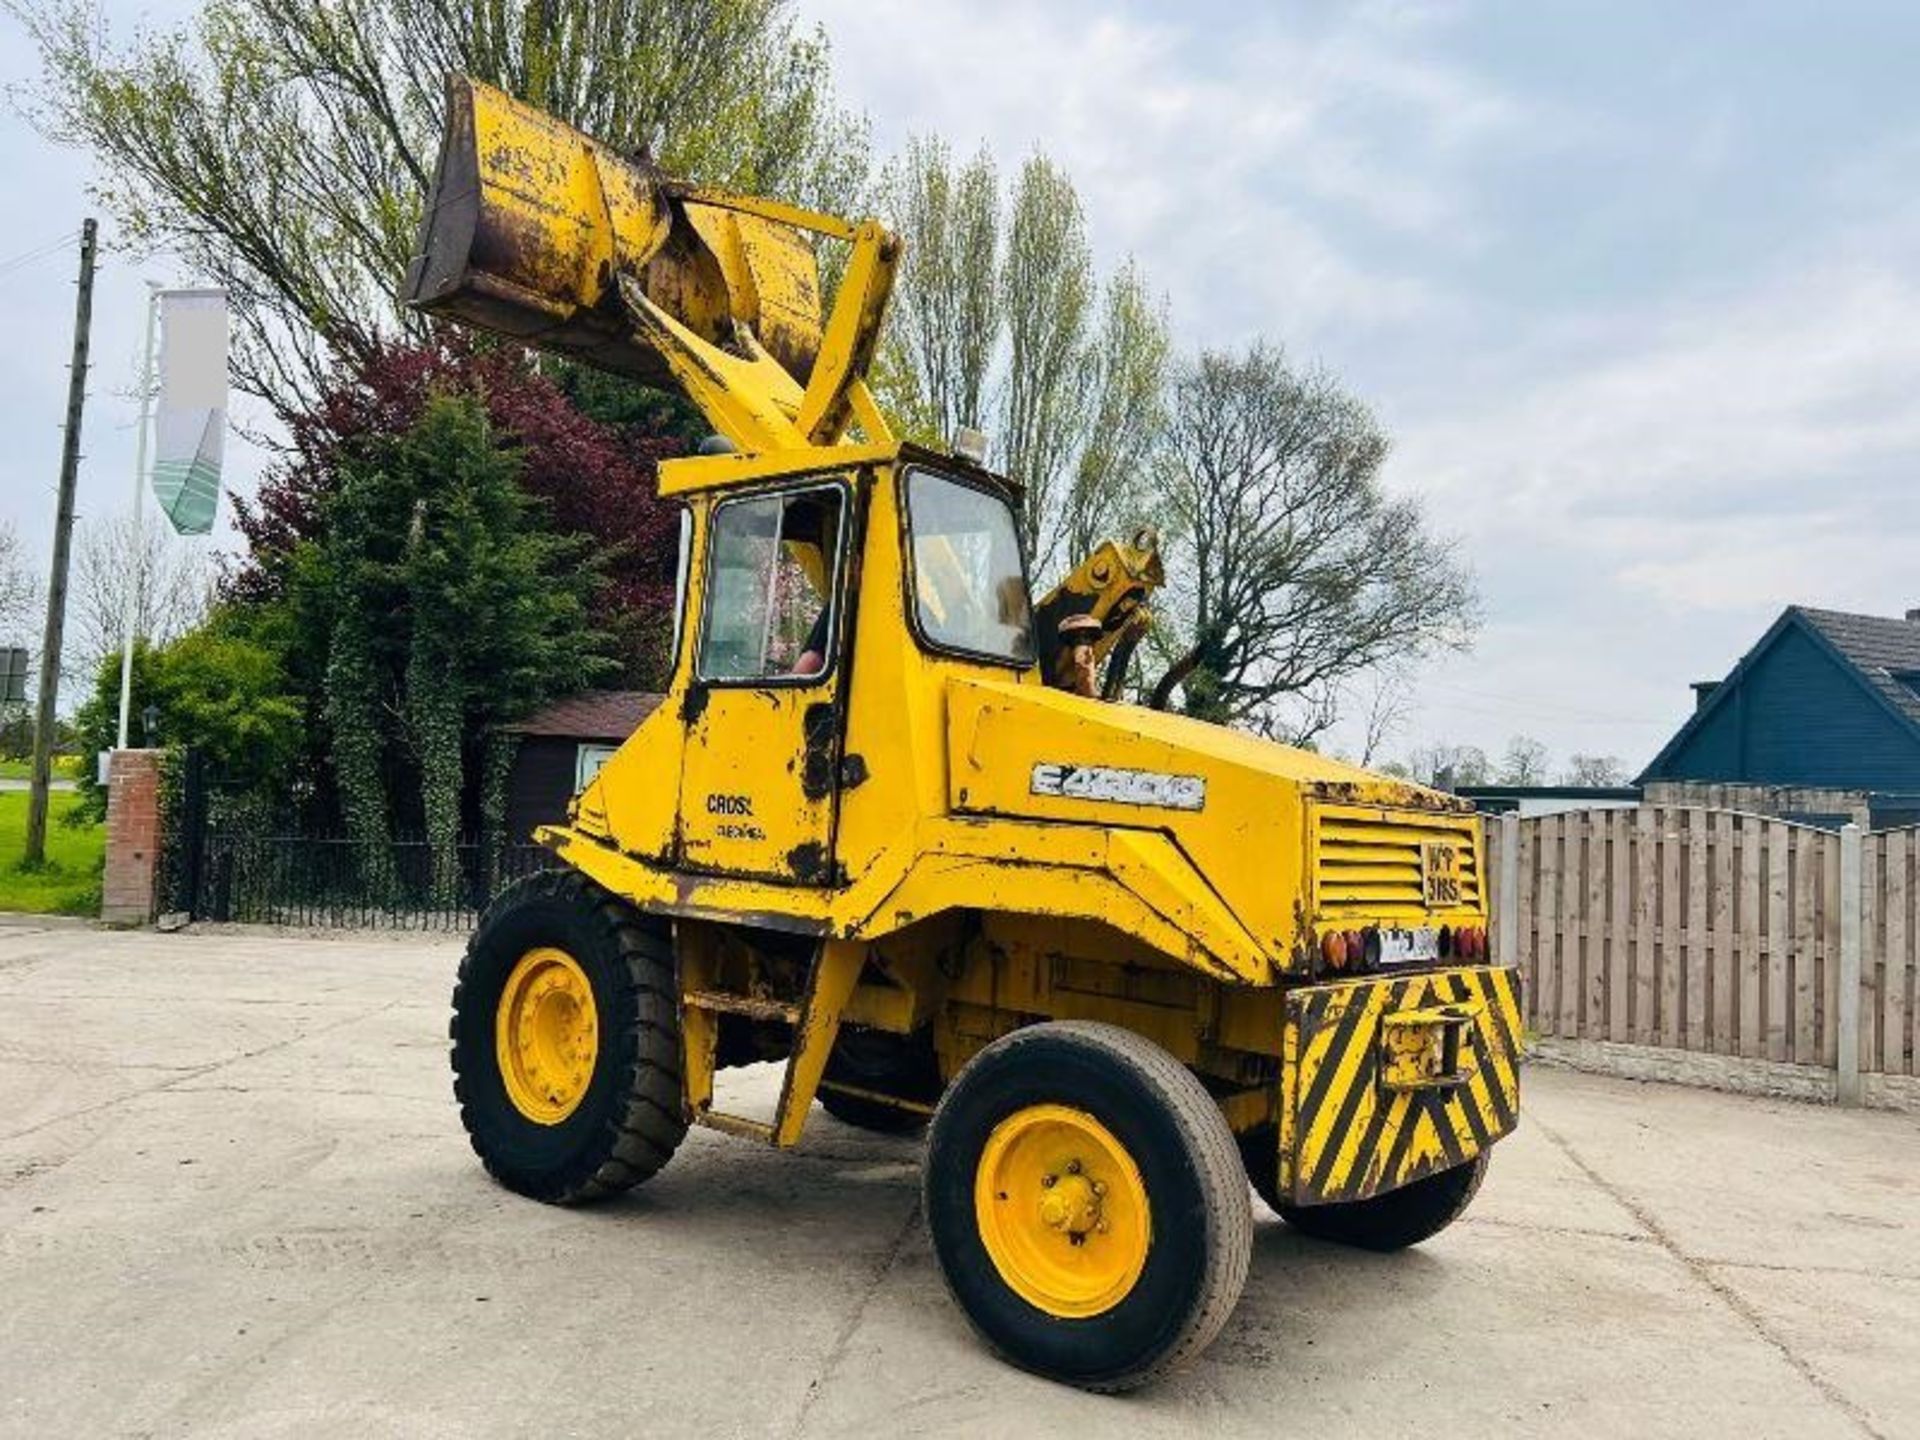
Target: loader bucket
529,224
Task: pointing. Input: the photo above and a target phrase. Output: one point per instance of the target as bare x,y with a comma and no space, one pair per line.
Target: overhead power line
39,252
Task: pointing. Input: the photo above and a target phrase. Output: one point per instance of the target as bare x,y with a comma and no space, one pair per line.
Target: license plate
1440,874
1404,947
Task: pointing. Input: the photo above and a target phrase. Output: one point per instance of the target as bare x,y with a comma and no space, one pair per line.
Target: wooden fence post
1507,898
1847,1059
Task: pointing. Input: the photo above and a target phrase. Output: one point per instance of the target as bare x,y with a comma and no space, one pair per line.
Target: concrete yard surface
235,1200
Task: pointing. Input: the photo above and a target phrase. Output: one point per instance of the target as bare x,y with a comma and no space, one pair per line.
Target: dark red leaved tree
595,479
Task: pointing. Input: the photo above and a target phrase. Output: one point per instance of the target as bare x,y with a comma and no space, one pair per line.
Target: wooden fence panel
1667,948
1712,932
1722,975
1547,866
1801,957
1873,945
1773,933
1593,950
1694,1002
1529,947
1899,966
1619,958
1646,833
1573,921
1752,958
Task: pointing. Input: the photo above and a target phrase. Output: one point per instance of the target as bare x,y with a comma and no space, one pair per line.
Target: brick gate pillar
133,837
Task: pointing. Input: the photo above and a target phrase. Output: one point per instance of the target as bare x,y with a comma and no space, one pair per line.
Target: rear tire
1393,1221
1086,1204
621,1121
888,1064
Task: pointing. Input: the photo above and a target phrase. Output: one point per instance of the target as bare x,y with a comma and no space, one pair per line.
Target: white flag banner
190,431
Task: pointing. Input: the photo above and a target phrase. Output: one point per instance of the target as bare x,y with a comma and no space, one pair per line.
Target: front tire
1086,1204
566,1042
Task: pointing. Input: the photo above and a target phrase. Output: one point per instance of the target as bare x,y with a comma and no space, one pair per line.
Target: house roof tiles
591,715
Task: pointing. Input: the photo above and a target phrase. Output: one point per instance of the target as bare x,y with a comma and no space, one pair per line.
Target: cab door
758,780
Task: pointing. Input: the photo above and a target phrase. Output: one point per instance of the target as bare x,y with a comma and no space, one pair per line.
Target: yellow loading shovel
1391,1080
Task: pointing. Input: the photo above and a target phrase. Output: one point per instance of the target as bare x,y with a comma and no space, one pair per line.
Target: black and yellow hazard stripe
1345,1133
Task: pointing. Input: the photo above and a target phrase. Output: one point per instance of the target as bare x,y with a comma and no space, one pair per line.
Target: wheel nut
1073,1167
1099,1187
1046,1182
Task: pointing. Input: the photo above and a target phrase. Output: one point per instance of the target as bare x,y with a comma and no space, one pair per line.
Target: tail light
1333,950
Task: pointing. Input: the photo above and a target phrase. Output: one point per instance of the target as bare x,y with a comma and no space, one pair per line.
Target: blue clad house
1819,722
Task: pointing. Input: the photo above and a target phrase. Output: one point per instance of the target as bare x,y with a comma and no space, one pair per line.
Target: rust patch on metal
820,727
853,772
813,864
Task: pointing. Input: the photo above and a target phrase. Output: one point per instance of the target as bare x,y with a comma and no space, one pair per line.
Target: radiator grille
1367,862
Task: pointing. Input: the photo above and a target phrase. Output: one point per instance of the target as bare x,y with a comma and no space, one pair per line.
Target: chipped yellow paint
542,233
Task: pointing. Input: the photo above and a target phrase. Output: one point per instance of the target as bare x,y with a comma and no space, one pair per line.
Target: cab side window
770,594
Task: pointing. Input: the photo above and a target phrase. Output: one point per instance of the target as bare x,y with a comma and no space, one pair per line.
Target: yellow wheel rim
546,1035
1062,1211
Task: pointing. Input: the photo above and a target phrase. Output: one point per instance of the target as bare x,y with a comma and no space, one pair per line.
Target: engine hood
1244,813
1025,749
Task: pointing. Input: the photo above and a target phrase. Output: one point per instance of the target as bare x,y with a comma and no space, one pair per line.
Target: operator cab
782,568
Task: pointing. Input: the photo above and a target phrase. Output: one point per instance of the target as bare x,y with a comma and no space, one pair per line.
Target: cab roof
701,474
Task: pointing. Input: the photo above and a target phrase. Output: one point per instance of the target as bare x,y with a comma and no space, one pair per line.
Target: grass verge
69,882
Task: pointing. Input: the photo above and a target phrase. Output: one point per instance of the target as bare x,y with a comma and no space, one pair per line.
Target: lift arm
536,231
1112,585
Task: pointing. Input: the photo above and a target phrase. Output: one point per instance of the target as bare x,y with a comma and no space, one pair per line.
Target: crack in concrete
1534,1227
196,1073
1703,1272
844,1338
223,1001
1860,1272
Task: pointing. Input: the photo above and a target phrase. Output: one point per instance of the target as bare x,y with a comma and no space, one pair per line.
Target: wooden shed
562,747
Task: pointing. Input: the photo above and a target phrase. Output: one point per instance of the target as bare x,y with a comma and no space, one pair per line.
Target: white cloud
1216,156
1646,453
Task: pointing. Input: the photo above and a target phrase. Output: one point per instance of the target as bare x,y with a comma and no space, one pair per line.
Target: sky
1630,284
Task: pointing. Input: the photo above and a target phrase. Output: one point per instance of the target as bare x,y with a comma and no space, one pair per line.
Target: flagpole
138,557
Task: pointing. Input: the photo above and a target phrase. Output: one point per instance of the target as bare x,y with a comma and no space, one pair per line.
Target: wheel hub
546,1035
1071,1206
1062,1211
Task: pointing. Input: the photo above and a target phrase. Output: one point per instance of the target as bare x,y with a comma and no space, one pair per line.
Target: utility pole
43,720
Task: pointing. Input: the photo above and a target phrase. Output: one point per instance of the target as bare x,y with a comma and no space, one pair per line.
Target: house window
587,760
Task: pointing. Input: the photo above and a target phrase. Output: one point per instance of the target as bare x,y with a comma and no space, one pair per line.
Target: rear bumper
1390,1079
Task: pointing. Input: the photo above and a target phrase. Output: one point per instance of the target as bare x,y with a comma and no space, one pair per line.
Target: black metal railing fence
241,873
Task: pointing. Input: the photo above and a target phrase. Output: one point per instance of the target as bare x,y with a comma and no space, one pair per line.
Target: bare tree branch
172,581
1292,568
19,591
